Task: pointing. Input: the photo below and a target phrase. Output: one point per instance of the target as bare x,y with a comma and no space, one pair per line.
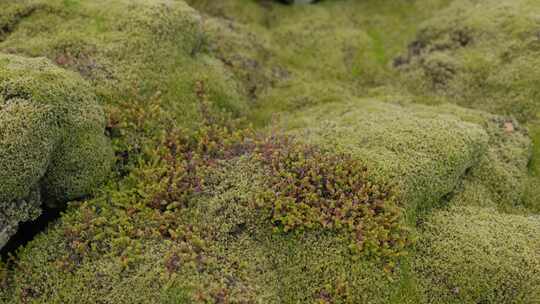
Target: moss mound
229,218
477,255
480,54
423,151
306,55
129,51
52,137
208,232
199,212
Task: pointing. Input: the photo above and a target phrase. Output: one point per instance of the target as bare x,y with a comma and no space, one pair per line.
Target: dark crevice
7,27
28,230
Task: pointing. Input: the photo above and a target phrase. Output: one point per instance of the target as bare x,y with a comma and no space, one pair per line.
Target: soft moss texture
480,54
477,255
311,54
424,150
52,137
188,215
219,247
127,50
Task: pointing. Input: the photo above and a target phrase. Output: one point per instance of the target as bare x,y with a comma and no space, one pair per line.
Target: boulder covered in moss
480,54
421,150
478,255
53,146
226,243
268,224
202,214
130,51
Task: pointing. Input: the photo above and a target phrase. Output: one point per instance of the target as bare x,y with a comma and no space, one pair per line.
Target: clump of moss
283,54
129,51
480,54
52,137
309,189
429,153
422,151
196,204
13,14
477,255
198,212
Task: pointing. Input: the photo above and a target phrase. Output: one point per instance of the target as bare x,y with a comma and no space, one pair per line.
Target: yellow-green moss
129,50
313,54
422,151
477,255
52,137
154,234
480,54
426,152
219,247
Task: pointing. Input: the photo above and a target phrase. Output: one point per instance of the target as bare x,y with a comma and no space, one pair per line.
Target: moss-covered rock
426,152
130,51
422,151
480,54
194,214
220,247
52,136
477,255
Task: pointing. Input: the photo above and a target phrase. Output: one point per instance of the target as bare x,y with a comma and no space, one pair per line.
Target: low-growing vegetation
247,151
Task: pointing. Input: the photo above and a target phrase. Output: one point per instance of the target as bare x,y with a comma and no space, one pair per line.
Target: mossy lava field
261,151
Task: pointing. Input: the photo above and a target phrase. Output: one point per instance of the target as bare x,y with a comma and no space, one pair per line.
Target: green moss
531,197
52,137
130,50
12,14
300,56
219,246
428,153
180,221
422,151
309,189
480,54
477,255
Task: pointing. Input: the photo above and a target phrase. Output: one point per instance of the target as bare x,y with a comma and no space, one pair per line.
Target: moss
309,189
186,224
422,151
477,255
291,61
480,54
52,137
130,50
218,247
180,220
428,153
11,214
11,15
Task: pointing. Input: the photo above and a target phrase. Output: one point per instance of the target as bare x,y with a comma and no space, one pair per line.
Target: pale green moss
227,249
130,50
51,136
308,55
480,54
477,255
144,59
425,151
422,151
